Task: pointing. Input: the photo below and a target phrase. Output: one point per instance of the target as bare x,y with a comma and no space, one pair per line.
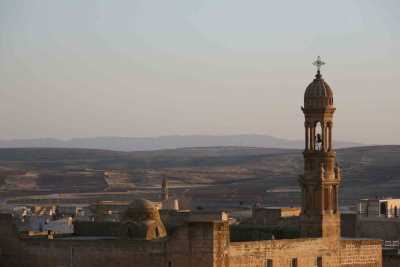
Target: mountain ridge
164,142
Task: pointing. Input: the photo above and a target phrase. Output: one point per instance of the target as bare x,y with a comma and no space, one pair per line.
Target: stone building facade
203,239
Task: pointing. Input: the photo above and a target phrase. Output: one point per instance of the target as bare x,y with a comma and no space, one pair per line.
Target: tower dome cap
318,88
318,93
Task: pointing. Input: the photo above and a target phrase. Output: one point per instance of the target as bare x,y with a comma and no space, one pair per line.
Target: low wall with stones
283,252
306,252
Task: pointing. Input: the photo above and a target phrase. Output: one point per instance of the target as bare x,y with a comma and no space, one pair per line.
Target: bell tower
321,179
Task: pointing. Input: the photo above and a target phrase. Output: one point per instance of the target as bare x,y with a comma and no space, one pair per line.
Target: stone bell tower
321,179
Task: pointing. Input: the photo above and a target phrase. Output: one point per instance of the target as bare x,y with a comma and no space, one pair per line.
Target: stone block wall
360,253
354,253
282,252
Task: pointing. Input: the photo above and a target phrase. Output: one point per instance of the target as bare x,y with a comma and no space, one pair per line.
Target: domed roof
140,210
141,203
141,220
318,94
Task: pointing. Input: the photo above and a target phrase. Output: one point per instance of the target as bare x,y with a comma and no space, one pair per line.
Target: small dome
141,203
141,220
140,210
318,94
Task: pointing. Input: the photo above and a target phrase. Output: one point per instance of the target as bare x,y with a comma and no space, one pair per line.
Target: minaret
164,190
320,183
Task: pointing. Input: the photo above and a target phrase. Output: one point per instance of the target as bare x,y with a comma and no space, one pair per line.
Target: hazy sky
77,68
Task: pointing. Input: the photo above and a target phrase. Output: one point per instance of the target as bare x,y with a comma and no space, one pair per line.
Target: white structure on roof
167,203
385,207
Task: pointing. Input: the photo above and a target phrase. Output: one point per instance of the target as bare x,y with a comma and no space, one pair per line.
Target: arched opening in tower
318,136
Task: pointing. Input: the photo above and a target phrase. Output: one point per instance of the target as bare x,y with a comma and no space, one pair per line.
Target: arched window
318,136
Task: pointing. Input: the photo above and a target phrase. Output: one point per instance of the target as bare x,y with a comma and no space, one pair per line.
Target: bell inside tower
318,137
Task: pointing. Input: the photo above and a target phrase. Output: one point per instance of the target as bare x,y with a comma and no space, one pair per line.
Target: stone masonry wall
354,253
282,252
360,253
198,244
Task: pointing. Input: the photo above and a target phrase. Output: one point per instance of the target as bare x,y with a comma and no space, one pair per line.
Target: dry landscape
217,176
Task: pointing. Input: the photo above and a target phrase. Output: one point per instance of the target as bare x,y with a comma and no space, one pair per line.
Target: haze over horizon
167,142
153,68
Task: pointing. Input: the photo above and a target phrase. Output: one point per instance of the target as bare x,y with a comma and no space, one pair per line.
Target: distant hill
163,142
53,158
225,174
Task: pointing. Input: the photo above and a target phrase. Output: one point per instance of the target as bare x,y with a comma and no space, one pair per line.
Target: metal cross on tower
318,63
